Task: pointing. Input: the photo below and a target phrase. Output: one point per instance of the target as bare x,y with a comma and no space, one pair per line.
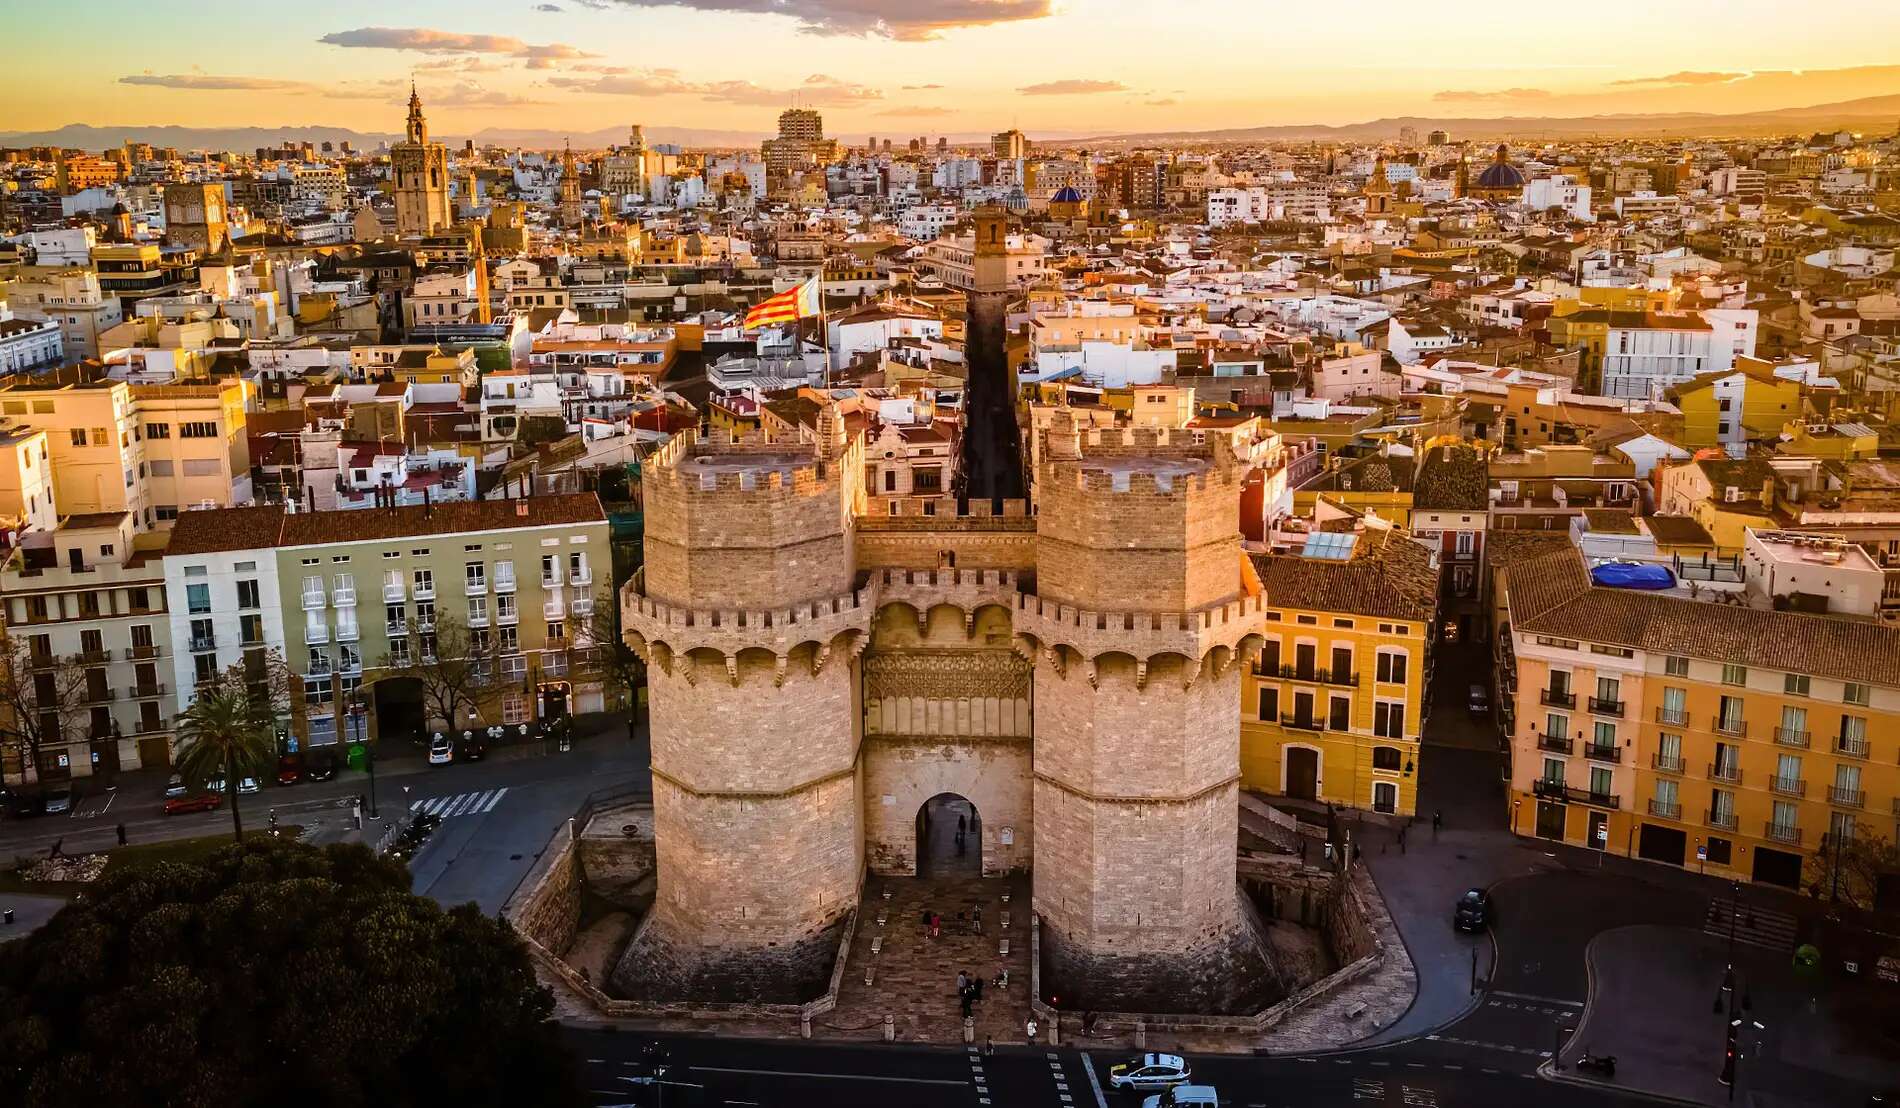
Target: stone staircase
1753,925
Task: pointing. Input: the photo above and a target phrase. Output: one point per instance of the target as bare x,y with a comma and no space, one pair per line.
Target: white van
1184,1096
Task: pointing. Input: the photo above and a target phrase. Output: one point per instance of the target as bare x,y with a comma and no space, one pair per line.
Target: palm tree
228,731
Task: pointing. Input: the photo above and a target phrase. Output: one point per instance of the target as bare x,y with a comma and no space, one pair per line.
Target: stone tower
1142,617
570,189
751,617
421,171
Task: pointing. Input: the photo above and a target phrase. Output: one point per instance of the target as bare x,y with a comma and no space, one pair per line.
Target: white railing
394,593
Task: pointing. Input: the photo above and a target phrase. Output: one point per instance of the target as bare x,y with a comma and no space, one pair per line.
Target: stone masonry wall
551,911
901,772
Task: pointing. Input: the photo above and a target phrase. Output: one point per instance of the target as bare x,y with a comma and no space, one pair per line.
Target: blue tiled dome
1501,174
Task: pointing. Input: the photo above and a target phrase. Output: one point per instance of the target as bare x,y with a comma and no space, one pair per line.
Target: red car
203,802
290,769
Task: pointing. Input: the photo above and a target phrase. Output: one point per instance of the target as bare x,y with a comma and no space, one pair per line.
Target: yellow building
1747,403
1719,736
1372,484
1725,496
1332,710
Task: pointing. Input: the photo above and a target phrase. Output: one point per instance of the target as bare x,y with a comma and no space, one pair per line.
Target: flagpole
824,331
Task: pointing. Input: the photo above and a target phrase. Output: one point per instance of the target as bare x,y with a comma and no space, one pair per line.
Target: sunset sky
906,67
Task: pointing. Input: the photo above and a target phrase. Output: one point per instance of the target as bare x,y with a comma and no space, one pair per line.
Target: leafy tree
622,673
229,729
1853,869
274,973
450,663
41,698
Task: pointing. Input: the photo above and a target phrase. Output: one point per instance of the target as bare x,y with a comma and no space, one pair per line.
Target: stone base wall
1226,972
901,772
549,911
662,964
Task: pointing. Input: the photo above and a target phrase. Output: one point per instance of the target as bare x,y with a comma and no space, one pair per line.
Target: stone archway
949,837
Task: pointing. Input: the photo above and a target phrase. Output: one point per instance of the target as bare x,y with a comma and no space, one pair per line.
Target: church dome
1067,194
1501,174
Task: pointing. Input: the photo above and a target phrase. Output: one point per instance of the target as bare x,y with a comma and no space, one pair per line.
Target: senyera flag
788,306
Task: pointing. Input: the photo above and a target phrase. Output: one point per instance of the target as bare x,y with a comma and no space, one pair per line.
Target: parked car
1474,912
247,785
175,786
1184,1096
1149,1071
441,750
319,766
58,800
290,769
200,802
1479,701
474,747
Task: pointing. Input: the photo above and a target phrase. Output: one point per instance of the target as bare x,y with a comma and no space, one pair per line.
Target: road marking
1088,1067
834,1076
1538,999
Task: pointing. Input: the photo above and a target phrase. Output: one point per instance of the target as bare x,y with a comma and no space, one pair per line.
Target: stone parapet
679,630
964,589
1143,635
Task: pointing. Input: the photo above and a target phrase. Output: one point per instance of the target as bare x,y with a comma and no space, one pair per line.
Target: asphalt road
712,1071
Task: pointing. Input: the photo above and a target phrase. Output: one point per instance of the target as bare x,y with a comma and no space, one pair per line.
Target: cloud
426,40
904,20
817,90
1494,94
473,63
1071,87
919,88
548,8
1686,77
917,110
469,94
1163,102
211,82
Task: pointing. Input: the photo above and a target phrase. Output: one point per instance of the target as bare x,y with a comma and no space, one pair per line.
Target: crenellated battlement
681,629
1143,635
751,463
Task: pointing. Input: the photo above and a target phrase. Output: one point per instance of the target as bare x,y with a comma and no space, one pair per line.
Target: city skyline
888,67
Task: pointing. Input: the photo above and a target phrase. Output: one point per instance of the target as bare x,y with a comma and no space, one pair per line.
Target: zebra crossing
460,804
1750,924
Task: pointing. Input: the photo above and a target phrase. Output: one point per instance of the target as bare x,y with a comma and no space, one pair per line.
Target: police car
1149,1071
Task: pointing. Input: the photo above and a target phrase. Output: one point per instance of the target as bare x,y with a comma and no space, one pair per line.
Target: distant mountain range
1873,114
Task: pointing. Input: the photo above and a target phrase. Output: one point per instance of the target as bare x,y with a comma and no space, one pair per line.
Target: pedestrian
961,826
989,1047
925,921
963,982
1088,1024
1438,821
976,921
961,925
121,834
936,925
976,988
966,1003
1030,1027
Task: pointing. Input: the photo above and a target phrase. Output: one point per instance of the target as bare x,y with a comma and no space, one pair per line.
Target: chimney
521,509
428,502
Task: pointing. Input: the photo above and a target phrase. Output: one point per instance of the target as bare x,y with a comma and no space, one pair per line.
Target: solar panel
1329,546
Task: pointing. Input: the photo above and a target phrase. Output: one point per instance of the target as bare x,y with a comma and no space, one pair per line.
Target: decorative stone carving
946,674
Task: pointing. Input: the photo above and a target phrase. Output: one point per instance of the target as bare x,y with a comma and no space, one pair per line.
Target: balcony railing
581,576
550,579
1287,719
1721,821
145,692
1730,774
476,587
1666,763
553,608
509,617
1604,707
504,582
1673,717
1790,736
1557,790
1845,797
425,590
1603,752
1308,674
1556,744
394,594
478,619
1788,786
425,621
143,653
204,642
1667,809
343,595
1556,698
320,667
1781,832
314,633
92,657
99,696
583,605
1737,727
396,628
1852,748
348,632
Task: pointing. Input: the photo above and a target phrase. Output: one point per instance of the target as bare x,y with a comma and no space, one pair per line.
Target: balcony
1556,698
395,593
143,653
1845,797
314,599
92,657
344,594
1850,747
425,621
551,579
1604,707
1603,752
581,576
314,633
476,587
554,608
1666,809
201,643
1788,786
1721,821
1725,773
1673,717
1781,832
508,617
425,589
1736,727
1556,744
319,667
504,582
348,632
350,665
1301,723
583,605
1557,790
1666,763
396,629
554,663
478,619
99,696
1789,736
145,692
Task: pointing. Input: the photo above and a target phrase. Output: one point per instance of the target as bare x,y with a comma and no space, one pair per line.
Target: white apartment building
29,345
1559,191
1645,356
